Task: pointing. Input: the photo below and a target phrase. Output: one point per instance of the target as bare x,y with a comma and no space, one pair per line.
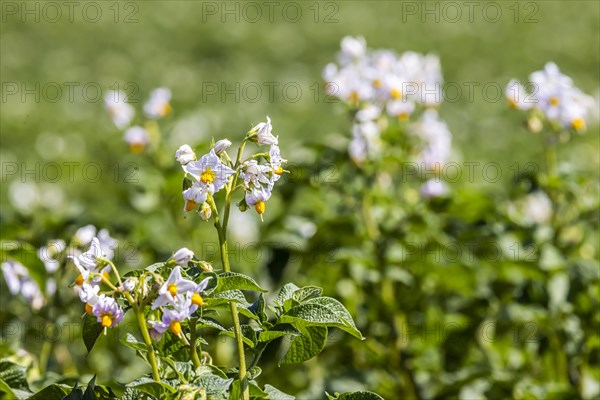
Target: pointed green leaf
276,394
321,311
304,347
362,395
235,281
91,330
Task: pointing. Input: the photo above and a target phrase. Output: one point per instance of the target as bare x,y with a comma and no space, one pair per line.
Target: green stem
551,159
144,328
222,232
193,336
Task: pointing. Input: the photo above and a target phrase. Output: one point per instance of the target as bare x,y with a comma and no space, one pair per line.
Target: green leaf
52,392
276,394
213,384
209,323
321,311
91,330
224,298
152,387
256,392
235,281
89,393
131,341
306,293
304,347
267,336
13,393
286,292
249,335
362,395
258,308
132,394
13,375
76,394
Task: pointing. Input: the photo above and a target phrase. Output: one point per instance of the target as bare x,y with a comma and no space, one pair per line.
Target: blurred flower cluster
551,97
122,114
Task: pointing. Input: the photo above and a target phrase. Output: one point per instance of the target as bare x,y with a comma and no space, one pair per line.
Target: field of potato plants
337,200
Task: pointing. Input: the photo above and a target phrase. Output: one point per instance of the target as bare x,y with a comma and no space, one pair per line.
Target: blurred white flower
535,208
48,254
433,188
158,105
119,110
353,49
437,140
137,138
85,234
517,95
555,96
19,282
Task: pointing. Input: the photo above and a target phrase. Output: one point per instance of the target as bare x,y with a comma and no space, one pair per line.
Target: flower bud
185,154
242,205
221,146
205,266
183,256
261,133
205,212
534,124
128,285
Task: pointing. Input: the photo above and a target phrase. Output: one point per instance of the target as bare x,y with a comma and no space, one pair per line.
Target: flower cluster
93,269
213,171
553,95
210,176
259,179
19,281
436,140
178,298
378,83
123,113
395,82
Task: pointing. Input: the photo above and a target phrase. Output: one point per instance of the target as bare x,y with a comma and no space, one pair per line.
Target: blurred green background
194,47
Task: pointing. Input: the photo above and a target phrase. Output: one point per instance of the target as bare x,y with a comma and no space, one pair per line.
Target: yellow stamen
553,101
208,176
512,103
190,205
198,300
88,309
175,327
353,96
136,147
278,170
377,83
79,280
166,110
172,288
578,124
403,116
107,320
260,207
396,94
